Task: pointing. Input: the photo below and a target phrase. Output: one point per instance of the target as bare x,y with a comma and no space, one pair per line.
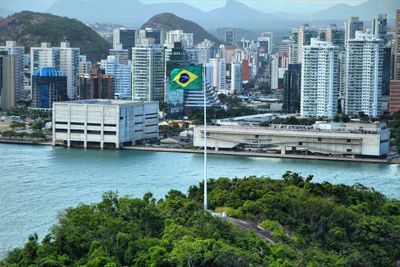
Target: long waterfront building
322,138
104,123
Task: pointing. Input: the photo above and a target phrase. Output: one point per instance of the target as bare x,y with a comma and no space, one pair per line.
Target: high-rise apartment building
363,75
319,80
18,51
149,33
230,37
217,73
95,86
64,58
69,64
121,74
351,25
396,63
305,34
335,35
293,47
394,99
148,73
236,76
292,89
179,36
379,27
124,38
274,79
85,66
121,54
7,80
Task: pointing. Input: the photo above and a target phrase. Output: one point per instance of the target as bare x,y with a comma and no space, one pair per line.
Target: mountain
168,22
31,28
127,12
235,14
366,10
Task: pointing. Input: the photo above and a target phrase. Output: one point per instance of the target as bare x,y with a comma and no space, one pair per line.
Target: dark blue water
36,183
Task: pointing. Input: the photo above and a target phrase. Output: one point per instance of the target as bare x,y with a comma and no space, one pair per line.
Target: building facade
121,74
363,75
18,52
7,81
236,77
95,86
148,73
396,63
394,98
48,86
63,58
319,80
292,90
104,123
350,139
351,25
124,38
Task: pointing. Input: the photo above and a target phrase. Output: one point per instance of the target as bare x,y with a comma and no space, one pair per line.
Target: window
349,150
62,122
78,131
109,133
61,130
110,125
93,124
77,123
93,132
319,139
300,143
256,136
348,140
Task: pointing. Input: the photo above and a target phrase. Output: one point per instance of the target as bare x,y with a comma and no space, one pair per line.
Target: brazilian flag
188,78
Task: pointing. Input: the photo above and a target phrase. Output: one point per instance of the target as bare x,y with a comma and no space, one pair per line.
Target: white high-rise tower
319,80
363,75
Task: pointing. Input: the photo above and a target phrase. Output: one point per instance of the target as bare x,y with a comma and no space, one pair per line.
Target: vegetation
30,29
265,88
168,22
393,123
290,121
14,134
330,225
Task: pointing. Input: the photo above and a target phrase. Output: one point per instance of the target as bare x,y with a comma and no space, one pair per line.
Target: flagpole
205,137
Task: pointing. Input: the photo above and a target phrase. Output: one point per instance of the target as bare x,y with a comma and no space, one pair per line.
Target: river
39,182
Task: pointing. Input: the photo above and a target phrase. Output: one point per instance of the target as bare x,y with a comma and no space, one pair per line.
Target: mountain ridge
31,28
168,21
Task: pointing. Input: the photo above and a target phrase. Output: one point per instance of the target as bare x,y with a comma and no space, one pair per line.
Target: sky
269,6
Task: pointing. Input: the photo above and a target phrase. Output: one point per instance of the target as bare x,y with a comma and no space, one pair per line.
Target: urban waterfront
37,183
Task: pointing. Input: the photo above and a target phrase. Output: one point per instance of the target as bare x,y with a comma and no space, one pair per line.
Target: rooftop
48,72
103,102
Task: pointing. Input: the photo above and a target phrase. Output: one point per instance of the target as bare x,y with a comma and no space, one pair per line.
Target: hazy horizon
269,6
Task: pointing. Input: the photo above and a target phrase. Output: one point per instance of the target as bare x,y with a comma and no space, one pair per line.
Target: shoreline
254,154
213,152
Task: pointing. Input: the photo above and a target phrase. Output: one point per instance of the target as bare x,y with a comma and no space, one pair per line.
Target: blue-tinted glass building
48,85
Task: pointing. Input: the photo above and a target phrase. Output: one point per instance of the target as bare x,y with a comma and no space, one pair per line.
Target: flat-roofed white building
354,139
104,123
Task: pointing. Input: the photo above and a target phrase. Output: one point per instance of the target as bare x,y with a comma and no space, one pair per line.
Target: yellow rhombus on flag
188,78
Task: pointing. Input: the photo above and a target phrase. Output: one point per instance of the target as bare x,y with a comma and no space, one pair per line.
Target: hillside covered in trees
317,225
30,29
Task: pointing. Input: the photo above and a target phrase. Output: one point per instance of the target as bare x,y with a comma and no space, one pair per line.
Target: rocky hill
169,21
30,29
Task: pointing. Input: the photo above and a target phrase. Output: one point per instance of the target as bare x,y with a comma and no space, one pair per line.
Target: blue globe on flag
184,78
